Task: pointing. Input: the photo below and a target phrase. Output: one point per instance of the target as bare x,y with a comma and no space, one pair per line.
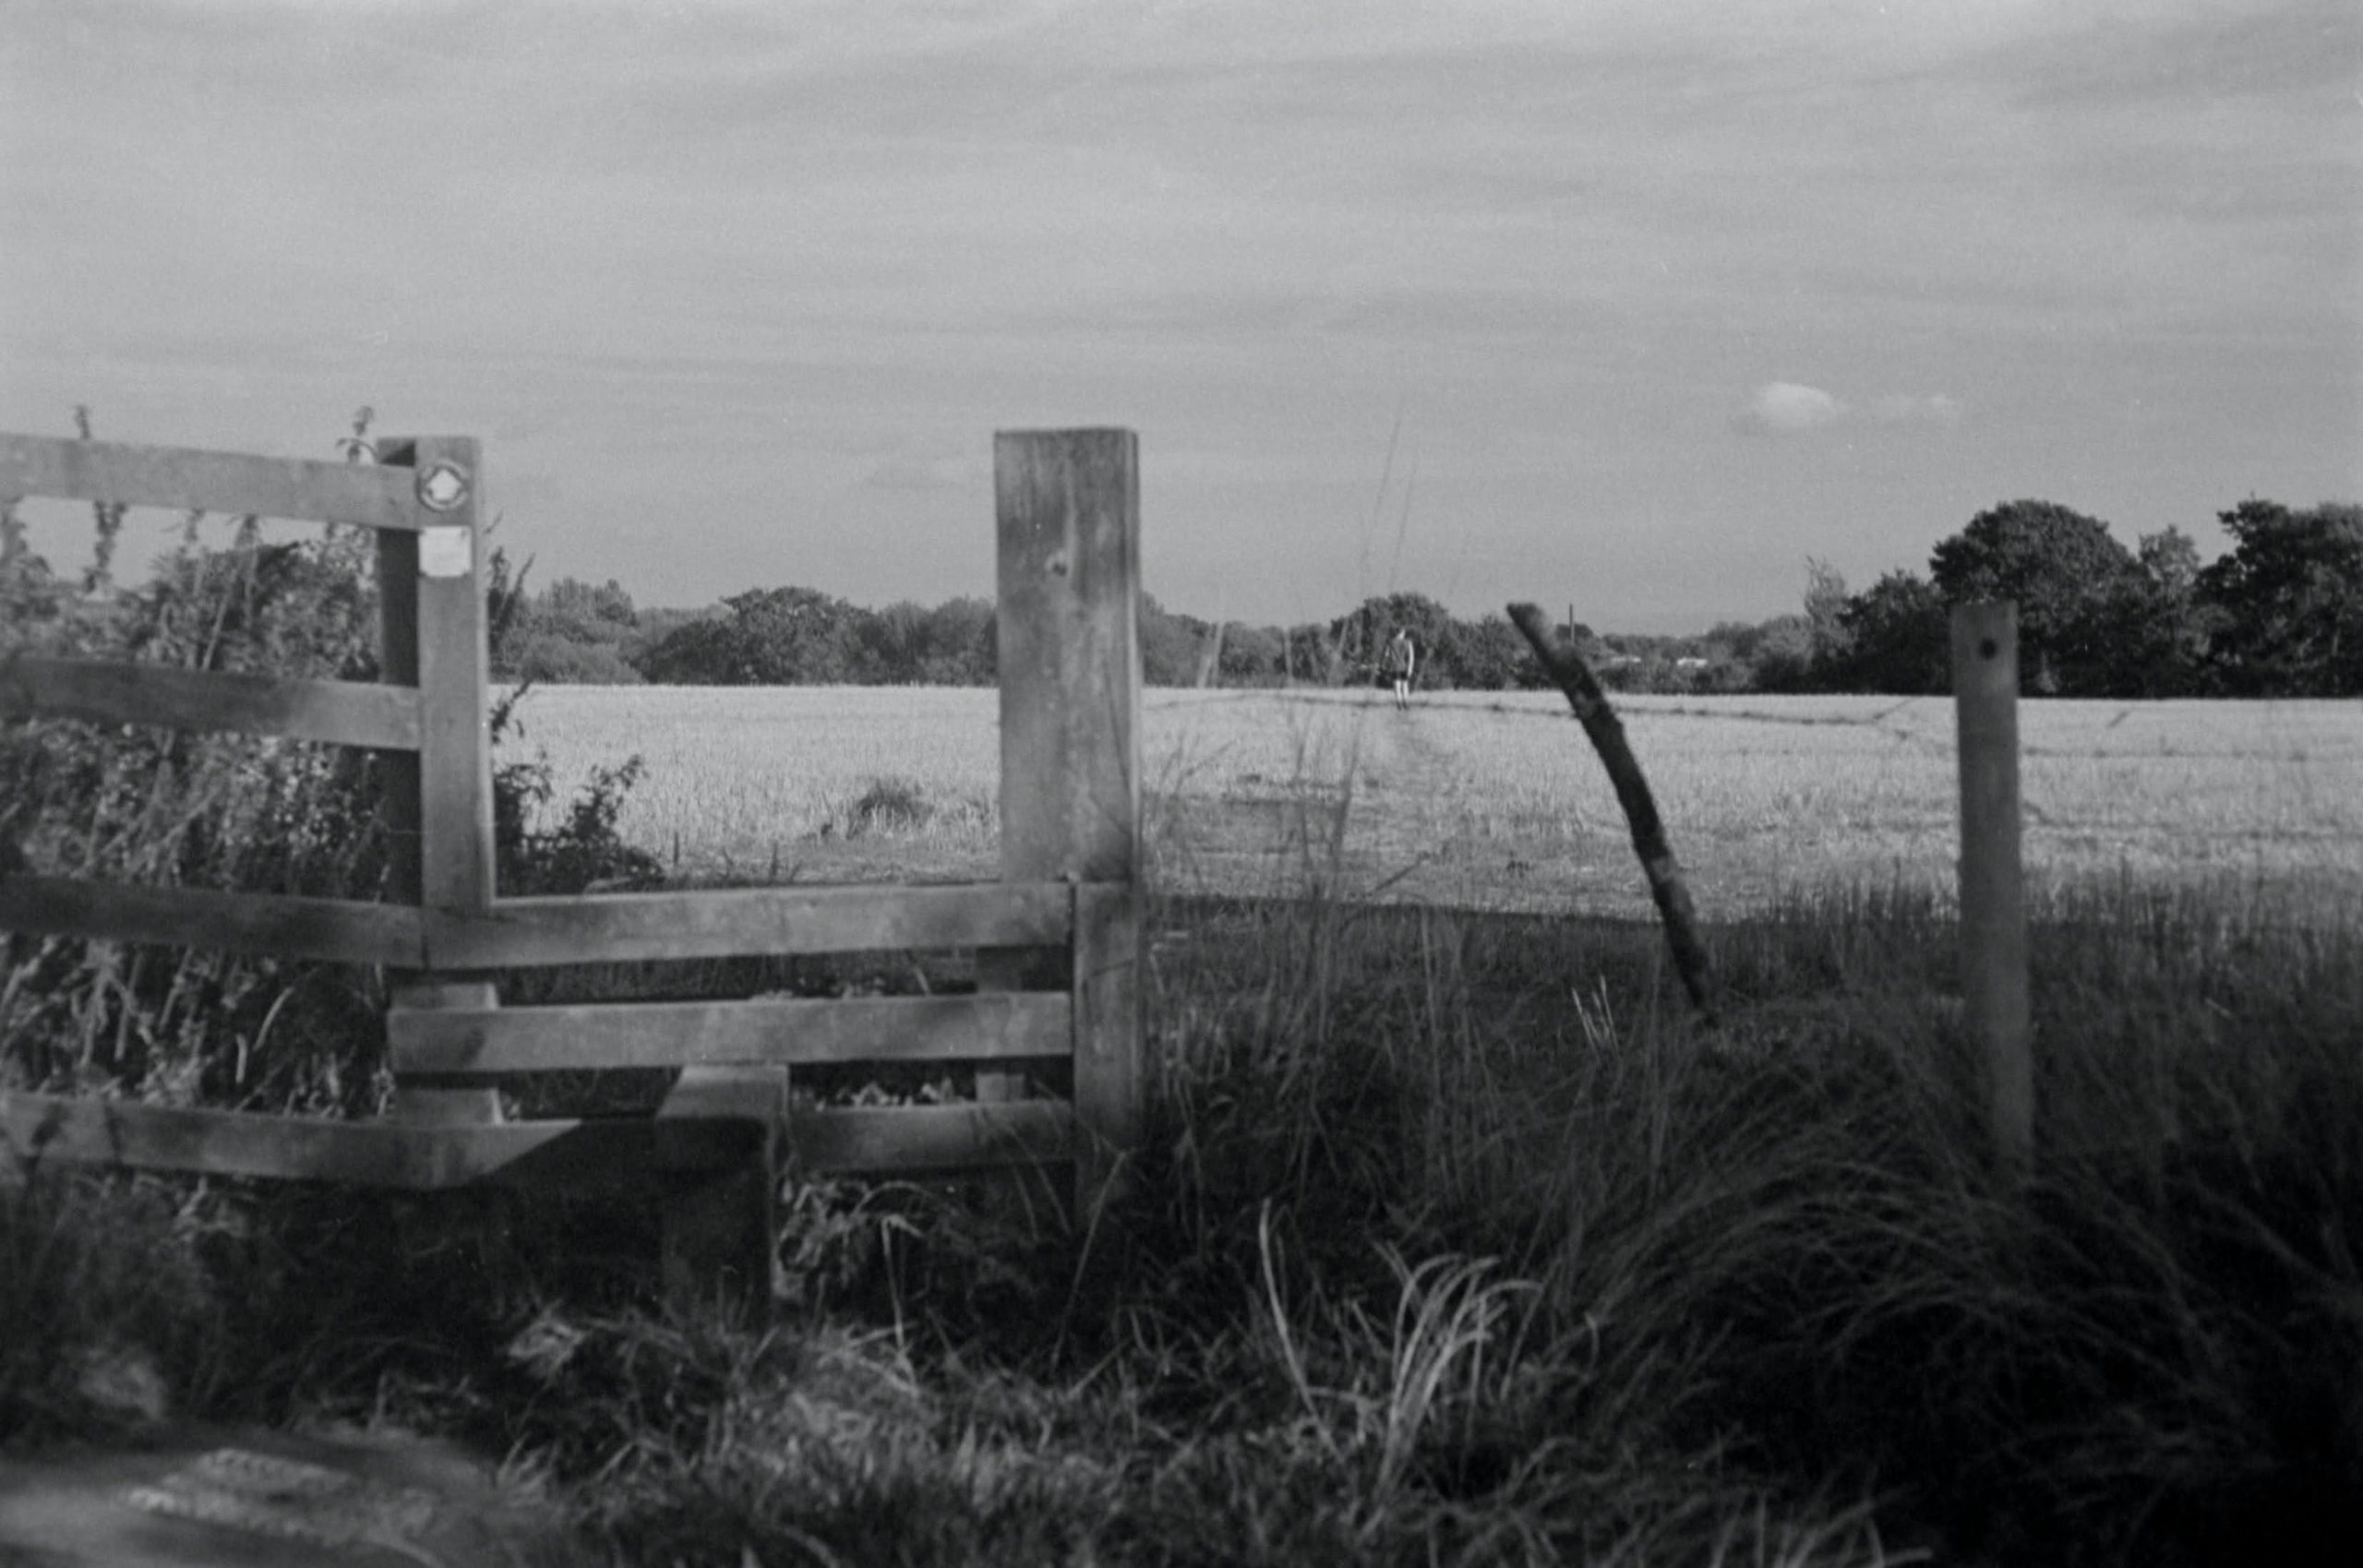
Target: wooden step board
591,1151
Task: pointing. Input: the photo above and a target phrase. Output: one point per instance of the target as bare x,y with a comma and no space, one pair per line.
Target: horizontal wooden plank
937,1138
110,692
770,1030
624,927
337,930
235,484
364,1154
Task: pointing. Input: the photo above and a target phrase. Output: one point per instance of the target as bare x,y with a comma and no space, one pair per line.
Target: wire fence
1471,799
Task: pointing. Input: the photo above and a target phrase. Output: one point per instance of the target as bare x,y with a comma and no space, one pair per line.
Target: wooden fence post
1606,733
1068,505
437,802
1993,901
720,1234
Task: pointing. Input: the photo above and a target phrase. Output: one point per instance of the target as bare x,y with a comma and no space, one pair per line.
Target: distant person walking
1402,664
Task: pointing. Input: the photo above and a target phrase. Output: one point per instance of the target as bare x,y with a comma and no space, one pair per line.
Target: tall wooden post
1068,504
1993,891
437,801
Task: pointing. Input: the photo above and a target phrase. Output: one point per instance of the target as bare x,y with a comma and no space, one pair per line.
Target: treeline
2281,614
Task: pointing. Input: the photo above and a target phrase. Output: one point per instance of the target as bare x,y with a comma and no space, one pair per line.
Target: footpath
206,1498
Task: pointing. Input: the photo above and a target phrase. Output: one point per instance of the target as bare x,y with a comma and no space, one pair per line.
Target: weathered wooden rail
1057,938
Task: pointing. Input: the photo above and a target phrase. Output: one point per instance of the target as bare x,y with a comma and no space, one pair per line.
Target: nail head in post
1987,648
442,486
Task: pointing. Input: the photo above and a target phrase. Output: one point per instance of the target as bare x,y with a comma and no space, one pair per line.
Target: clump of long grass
149,805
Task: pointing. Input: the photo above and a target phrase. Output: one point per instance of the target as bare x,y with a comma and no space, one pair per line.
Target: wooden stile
186,479
1993,893
780,1030
1111,1004
540,932
420,1158
635,927
721,1229
102,691
398,799
438,803
455,748
426,1098
335,930
1057,938
913,1140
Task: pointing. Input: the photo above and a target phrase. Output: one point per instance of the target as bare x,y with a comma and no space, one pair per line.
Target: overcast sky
1661,297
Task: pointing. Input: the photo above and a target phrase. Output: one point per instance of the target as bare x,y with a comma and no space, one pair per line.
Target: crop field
1480,800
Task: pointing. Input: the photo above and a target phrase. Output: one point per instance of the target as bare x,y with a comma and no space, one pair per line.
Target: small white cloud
1785,408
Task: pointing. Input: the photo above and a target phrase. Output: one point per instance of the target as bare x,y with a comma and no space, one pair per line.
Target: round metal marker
442,486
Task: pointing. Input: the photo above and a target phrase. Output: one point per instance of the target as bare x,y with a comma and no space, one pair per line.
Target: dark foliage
2061,567
2290,601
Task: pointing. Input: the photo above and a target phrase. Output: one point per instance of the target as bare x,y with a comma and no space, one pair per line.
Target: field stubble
1480,800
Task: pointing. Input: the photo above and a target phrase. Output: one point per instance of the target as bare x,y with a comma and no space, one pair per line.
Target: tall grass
1454,1242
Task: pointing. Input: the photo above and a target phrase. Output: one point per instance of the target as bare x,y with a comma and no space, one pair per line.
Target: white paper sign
444,552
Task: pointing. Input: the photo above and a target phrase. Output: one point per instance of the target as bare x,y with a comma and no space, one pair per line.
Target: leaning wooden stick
1607,733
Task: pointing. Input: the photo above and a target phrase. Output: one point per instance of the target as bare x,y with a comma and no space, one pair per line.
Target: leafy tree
576,604
1171,645
960,643
1896,637
1310,655
1780,656
894,641
546,659
1360,636
1825,610
2290,597
1485,654
769,636
2170,559
570,633
2061,567
2153,630
1253,656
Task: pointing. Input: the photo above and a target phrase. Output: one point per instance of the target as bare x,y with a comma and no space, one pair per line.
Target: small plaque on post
445,552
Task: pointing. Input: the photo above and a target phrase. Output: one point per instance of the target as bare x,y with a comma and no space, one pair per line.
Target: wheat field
1483,799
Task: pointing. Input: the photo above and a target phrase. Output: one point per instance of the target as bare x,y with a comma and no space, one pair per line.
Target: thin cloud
1790,408
1787,408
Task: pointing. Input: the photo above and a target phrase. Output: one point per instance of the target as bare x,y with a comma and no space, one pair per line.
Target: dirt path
200,1498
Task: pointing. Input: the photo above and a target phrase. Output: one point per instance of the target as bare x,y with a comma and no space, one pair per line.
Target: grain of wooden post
1068,507
1993,907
